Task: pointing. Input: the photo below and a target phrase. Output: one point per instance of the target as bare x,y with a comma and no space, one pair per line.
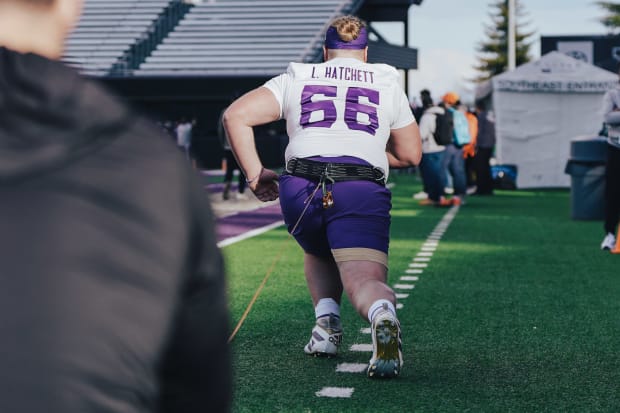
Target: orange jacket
469,150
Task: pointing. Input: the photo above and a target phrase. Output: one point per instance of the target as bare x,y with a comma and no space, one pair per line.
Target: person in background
112,291
469,149
485,144
231,165
432,165
454,162
184,136
342,116
418,110
611,114
425,95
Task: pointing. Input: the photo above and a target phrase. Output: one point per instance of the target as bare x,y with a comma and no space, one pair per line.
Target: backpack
443,128
461,128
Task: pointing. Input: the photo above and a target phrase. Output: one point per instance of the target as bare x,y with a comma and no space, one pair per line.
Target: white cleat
387,358
326,337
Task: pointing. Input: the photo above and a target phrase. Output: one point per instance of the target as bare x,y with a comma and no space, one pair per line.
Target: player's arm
395,163
404,148
254,108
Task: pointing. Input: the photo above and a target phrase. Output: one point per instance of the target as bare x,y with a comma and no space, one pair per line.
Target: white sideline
228,241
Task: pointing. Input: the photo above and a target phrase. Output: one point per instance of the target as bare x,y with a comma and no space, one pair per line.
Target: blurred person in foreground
112,295
342,116
611,113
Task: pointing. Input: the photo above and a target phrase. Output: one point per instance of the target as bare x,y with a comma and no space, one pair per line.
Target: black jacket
112,295
486,130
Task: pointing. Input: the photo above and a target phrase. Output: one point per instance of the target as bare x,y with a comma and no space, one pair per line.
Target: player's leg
365,283
322,278
358,232
325,289
304,218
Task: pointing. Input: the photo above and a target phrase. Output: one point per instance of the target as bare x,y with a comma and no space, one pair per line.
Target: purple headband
333,40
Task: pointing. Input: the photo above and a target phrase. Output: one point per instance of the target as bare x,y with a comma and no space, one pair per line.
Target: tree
493,58
612,18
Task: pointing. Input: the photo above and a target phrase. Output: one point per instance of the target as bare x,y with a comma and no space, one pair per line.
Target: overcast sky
446,33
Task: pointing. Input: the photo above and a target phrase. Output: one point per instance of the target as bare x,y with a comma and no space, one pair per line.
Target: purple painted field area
242,222
247,214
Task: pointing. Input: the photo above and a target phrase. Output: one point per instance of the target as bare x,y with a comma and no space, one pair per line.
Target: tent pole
512,55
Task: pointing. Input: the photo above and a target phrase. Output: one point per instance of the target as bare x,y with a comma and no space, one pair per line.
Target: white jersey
343,107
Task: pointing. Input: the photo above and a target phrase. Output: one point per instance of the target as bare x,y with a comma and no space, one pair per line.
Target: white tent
539,107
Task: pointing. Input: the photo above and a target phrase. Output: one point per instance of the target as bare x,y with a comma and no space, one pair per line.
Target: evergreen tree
612,18
493,58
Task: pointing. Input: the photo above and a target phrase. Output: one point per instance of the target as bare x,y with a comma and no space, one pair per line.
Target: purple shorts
359,218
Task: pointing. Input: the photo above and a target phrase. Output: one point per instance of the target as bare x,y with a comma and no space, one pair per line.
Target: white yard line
335,392
351,367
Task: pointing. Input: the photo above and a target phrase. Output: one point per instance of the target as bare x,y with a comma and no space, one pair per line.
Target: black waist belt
334,171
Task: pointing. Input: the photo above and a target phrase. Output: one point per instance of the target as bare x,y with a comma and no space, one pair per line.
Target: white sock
380,305
326,306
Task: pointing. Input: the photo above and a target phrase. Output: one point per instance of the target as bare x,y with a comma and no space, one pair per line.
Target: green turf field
517,311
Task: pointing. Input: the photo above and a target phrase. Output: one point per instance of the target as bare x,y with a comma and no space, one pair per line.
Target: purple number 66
327,106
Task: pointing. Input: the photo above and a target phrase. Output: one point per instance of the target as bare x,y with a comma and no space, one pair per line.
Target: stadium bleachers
204,38
243,37
107,30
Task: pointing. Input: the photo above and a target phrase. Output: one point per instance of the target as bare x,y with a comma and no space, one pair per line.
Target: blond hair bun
348,27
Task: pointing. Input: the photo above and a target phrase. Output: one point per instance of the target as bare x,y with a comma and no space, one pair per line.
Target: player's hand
266,186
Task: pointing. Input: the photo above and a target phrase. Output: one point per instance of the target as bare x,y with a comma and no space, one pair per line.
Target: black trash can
586,166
